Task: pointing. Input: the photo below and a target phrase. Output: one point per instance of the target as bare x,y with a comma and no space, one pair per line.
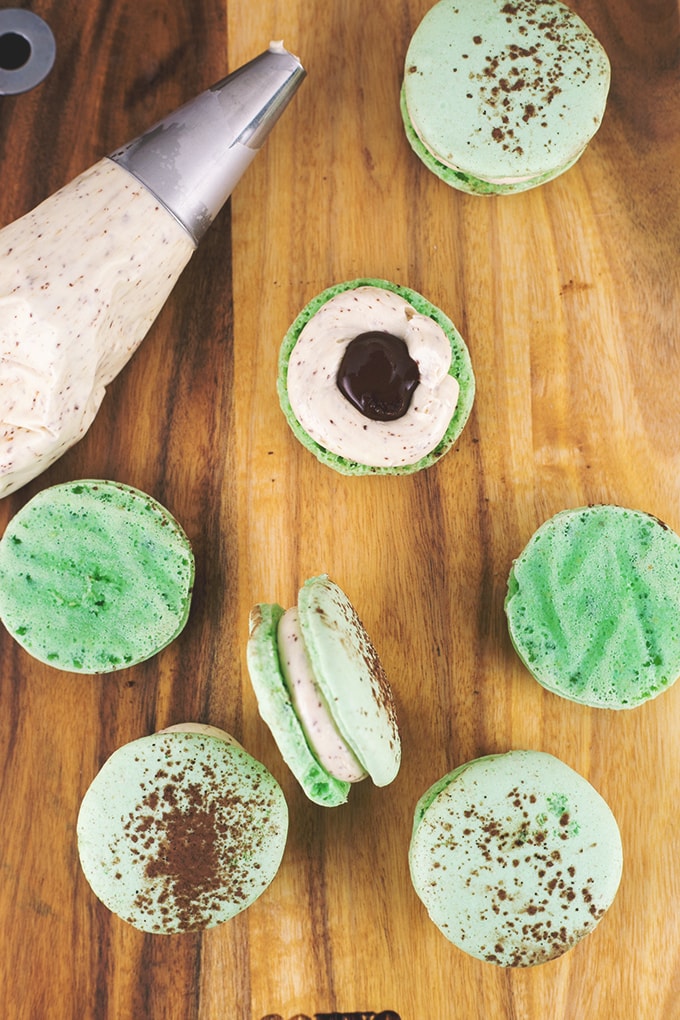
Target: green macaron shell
181,831
277,711
460,369
593,606
351,677
468,182
94,576
515,856
504,92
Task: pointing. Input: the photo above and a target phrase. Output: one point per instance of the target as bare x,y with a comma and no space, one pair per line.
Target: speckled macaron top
502,96
515,856
593,606
94,576
180,831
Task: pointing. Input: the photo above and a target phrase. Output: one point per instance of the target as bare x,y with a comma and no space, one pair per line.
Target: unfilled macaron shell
593,606
94,576
460,369
515,856
351,677
181,831
276,709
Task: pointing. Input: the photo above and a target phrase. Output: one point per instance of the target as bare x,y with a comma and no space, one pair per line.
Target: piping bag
85,273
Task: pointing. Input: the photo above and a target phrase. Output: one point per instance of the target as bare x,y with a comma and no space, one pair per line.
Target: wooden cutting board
568,299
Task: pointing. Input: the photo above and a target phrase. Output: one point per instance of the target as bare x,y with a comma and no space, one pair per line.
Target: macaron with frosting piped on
515,856
374,379
499,97
181,830
593,606
95,576
322,691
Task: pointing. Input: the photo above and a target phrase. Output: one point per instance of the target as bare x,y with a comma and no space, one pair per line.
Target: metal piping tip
193,159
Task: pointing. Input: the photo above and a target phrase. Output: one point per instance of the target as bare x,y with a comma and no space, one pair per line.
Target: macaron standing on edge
95,576
593,606
181,830
515,856
322,691
499,97
374,379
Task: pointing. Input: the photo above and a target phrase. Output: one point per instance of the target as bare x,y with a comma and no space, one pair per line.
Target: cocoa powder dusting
526,931
522,80
357,637
195,836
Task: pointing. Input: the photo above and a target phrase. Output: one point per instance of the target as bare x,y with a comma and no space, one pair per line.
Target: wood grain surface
568,298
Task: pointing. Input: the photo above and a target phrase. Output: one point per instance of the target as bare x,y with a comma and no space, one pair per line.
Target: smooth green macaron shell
351,677
181,831
94,576
515,856
276,709
508,94
593,606
461,370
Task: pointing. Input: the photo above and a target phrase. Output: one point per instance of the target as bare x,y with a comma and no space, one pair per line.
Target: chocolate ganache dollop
378,376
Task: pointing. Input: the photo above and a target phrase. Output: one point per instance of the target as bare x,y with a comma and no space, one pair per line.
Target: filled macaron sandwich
499,96
515,856
375,379
181,830
322,690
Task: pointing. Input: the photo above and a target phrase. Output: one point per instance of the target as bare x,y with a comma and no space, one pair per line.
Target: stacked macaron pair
515,856
499,97
181,830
